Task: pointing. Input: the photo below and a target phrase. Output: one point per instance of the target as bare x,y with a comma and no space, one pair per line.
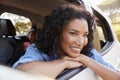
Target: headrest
7,28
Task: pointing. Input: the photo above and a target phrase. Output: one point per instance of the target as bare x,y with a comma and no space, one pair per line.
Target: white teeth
76,49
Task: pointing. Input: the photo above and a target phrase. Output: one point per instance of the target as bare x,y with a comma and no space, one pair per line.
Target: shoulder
95,53
33,54
33,51
97,57
32,46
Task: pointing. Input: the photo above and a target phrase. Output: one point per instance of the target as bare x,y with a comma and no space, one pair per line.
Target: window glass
104,32
101,35
21,23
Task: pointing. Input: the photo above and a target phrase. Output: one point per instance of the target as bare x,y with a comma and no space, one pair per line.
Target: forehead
77,24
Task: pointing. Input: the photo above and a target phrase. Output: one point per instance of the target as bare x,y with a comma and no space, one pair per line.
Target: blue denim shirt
33,54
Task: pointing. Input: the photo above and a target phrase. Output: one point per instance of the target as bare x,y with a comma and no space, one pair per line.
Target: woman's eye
85,35
73,33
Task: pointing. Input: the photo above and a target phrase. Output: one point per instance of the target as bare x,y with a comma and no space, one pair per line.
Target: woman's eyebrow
74,30
78,31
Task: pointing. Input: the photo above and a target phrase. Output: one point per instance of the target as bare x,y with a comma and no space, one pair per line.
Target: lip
75,50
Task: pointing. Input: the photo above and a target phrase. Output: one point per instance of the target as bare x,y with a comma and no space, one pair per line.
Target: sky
96,2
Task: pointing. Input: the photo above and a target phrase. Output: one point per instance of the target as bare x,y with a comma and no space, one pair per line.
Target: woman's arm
105,72
50,68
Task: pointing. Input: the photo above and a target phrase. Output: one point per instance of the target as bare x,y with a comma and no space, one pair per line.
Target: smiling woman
65,42
38,61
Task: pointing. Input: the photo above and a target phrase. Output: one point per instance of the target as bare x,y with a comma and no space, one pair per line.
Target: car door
105,42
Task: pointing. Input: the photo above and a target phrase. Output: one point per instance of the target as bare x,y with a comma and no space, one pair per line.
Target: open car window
22,24
104,32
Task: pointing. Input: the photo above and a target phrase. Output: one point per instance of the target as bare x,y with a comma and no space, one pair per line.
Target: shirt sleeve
31,54
98,58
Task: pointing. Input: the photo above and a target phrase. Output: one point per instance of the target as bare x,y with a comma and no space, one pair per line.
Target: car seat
96,40
11,47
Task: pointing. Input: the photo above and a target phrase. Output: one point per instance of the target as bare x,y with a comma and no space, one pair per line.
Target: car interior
9,40
36,14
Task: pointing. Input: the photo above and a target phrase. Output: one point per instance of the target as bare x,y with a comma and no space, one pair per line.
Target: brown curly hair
49,37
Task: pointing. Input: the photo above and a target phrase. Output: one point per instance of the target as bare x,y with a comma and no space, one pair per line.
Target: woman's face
74,37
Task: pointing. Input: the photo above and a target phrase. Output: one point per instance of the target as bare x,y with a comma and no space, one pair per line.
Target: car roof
34,10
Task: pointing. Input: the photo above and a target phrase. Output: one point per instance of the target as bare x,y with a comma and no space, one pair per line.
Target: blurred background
111,8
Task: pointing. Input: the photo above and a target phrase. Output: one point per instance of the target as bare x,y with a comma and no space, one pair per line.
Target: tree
112,9
22,28
110,4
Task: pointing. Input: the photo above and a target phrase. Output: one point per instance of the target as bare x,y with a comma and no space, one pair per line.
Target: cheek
85,41
65,41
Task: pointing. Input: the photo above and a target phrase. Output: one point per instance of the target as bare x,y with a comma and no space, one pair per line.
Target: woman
65,42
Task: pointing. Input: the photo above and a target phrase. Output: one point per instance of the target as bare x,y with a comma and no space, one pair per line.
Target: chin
74,56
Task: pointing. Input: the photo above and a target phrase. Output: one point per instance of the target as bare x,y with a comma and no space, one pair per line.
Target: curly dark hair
48,38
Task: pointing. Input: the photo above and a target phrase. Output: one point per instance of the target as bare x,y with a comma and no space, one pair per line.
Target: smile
75,50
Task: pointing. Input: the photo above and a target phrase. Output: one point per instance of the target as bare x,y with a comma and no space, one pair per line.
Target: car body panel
82,75
6,73
114,60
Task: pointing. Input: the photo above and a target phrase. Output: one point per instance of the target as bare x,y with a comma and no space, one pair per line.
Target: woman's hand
105,72
78,59
72,62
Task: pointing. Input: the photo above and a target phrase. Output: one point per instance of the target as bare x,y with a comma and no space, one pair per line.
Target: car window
21,23
104,31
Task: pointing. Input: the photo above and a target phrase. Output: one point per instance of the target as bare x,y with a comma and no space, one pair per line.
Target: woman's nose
80,41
